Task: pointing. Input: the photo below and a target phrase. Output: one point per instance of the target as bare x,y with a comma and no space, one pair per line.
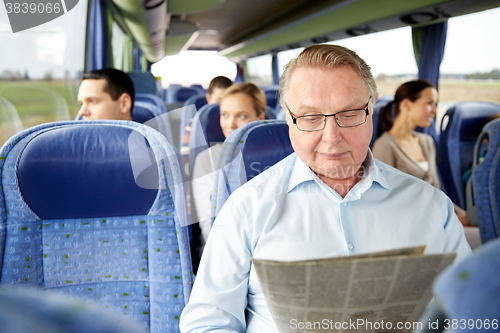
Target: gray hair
327,56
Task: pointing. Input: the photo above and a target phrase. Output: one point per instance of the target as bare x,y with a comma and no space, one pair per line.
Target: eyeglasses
316,122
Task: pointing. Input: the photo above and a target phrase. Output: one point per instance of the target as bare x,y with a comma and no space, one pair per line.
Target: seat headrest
211,125
474,115
184,93
82,172
144,82
141,114
265,146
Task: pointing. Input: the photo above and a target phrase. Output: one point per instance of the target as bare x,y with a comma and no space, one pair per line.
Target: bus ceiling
240,29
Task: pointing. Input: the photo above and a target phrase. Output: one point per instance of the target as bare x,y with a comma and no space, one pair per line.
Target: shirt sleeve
455,240
219,297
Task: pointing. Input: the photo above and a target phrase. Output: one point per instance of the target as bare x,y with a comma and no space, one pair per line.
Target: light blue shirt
287,213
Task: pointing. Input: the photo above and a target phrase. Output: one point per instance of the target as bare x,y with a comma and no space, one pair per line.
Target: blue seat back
156,107
205,132
183,93
469,289
170,92
187,115
272,96
248,151
97,209
144,83
486,182
198,88
465,121
270,113
380,104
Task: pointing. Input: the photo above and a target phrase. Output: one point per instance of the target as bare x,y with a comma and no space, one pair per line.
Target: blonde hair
251,90
327,56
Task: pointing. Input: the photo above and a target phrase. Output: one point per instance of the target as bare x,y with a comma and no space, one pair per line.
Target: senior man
330,198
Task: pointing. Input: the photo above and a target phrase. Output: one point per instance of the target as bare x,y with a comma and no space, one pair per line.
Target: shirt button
344,204
351,246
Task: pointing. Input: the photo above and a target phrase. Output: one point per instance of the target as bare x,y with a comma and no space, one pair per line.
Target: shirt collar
301,173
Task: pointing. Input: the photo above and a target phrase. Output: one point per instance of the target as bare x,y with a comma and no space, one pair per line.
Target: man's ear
126,106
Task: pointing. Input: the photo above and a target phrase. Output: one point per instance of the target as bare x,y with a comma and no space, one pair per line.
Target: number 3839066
33,8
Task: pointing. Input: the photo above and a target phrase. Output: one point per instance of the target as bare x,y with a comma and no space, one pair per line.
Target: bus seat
183,93
42,311
187,115
466,290
281,114
463,123
380,104
199,88
171,91
97,209
205,132
272,96
147,111
270,113
144,83
486,182
261,144
146,102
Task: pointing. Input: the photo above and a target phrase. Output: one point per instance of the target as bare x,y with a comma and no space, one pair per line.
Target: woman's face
423,110
237,110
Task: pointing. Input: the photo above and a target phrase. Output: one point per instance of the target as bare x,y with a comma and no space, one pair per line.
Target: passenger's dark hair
219,82
411,90
118,82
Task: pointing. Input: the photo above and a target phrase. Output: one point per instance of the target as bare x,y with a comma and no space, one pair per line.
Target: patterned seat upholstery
486,182
97,209
247,152
35,311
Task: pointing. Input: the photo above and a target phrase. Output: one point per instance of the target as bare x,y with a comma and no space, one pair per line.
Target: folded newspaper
376,292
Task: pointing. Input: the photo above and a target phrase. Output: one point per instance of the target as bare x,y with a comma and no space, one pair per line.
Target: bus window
260,70
41,68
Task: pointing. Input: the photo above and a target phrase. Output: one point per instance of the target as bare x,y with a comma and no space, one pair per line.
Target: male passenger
216,89
330,198
106,94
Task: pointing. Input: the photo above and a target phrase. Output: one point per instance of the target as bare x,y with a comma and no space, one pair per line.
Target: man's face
334,153
98,104
215,96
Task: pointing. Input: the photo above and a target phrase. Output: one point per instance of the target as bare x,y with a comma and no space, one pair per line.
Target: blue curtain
428,44
137,59
430,51
276,73
99,34
240,76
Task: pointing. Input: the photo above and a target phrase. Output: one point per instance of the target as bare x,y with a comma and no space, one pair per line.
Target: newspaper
377,292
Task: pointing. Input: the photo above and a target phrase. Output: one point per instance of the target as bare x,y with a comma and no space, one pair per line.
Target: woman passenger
240,104
400,145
